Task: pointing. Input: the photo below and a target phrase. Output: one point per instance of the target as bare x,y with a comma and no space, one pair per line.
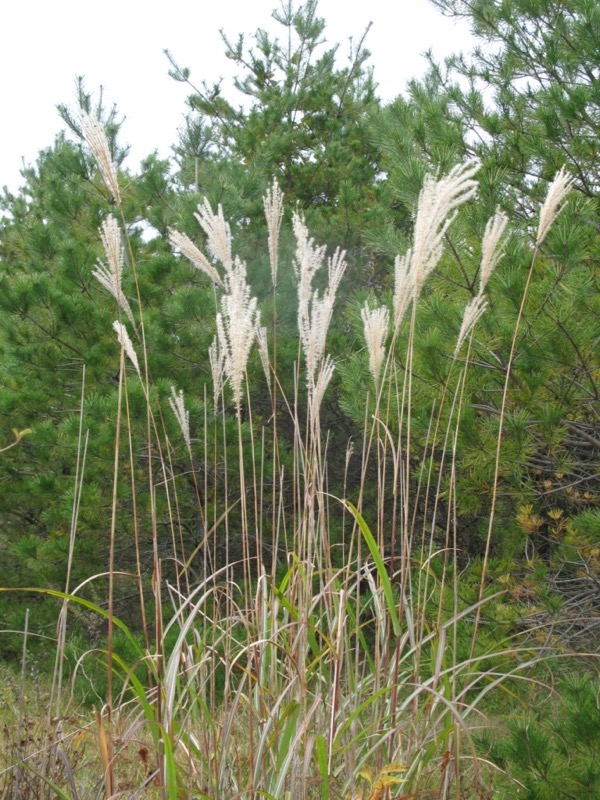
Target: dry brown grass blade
104,752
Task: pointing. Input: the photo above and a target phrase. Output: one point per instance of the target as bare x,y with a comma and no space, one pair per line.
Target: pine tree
302,121
532,91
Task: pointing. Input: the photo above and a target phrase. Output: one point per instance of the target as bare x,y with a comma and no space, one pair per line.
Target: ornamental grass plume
314,312
554,203
110,274
236,327
403,287
218,233
315,324
472,314
436,209
318,316
185,245
336,267
308,260
376,323
238,321
95,136
273,205
492,247
177,403
263,351
492,250
216,359
320,387
126,344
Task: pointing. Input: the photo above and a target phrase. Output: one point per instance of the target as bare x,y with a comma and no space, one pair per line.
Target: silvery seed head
218,233
472,314
110,274
436,210
263,351
403,287
95,136
177,403
236,327
554,203
126,344
492,247
216,359
376,323
185,245
273,204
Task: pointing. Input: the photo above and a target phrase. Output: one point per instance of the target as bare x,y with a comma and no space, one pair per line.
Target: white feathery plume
216,358
263,351
110,274
376,324
218,233
472,314
436,210
308,259
553,204
319,388
95,136
273,204
185,245
314,312
336,266
492,250
403,287
177,403
313,333
236,327
125,343
319,314
492,247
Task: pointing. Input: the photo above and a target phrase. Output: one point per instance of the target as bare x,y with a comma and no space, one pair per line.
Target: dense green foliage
302,121
553,752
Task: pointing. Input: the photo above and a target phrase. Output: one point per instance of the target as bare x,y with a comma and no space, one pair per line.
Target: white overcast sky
118,44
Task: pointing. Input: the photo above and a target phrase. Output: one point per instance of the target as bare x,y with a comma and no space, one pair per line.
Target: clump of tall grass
326,677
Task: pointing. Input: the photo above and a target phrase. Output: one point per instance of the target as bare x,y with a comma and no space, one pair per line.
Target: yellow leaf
392,768
366,773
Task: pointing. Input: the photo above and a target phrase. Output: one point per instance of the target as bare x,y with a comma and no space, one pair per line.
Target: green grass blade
321,753
381,570
170,767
